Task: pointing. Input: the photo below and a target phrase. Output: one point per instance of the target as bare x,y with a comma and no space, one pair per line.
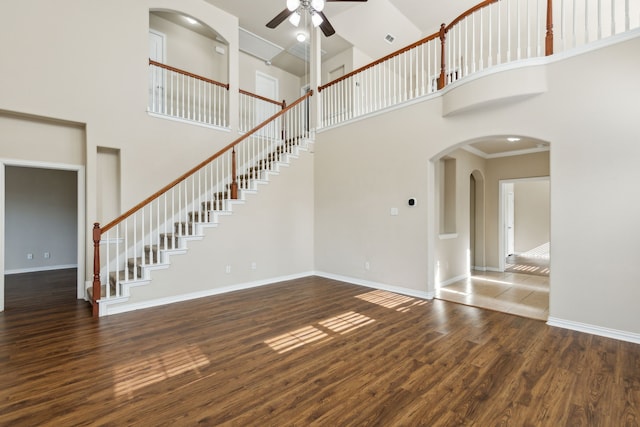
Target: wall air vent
389,38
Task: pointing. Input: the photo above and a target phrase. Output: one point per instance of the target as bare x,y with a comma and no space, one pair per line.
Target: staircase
144,239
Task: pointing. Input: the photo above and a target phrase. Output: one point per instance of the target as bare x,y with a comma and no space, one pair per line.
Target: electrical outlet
254,265
29,256
394,211
367,266
228,269
47,255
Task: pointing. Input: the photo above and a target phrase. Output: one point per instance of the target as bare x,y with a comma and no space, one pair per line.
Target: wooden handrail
381,60
188,74
201,165
282,104
468,12
441,34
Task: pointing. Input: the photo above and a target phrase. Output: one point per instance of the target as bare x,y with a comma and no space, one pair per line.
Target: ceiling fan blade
326,26
279,19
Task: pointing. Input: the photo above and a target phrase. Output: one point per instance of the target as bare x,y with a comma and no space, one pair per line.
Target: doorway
157,52
266,86
470,267
43,220
524,225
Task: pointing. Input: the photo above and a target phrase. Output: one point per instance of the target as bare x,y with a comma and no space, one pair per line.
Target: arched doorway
467,263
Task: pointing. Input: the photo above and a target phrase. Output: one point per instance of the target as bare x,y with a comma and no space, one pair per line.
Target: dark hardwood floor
306,352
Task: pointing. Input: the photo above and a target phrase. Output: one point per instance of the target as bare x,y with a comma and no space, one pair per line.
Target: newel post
97,234
234,182
548,41
443,65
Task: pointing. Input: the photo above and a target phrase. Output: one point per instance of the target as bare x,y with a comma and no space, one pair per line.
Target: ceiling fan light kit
293,5
295,9
316,19
294,19
317,5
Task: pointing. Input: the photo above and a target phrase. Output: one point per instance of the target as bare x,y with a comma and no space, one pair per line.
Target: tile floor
516,293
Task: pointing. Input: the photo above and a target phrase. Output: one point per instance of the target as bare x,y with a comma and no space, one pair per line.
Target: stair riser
183,229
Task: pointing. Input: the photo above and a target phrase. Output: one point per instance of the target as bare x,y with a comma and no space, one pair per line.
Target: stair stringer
271,225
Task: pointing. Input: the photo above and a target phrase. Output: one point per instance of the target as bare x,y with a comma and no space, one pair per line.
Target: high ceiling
363,25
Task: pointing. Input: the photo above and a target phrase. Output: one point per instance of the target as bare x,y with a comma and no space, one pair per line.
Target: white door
267,87
509,223
156,75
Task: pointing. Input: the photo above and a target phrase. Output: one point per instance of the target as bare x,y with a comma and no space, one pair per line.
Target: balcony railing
182,95
491,33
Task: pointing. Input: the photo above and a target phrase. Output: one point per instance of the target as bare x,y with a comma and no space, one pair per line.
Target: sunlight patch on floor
346,322
294,339
385,298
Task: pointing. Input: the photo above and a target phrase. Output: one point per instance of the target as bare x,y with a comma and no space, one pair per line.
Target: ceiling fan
295,9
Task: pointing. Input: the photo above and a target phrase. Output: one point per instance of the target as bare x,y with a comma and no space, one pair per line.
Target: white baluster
164,91
182,95
528,29
562,23
107,239
538,31
172,96
481,35
509,35
586,21
519,31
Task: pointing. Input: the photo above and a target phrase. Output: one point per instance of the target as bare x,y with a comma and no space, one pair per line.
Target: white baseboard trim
594,330
497,270
478,268
376,285
123,308
453,280
36,269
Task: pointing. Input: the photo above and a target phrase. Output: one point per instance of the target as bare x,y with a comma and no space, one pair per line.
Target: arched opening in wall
188,69
471,265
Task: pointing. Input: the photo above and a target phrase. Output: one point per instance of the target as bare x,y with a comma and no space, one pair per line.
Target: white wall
365,168
289,85
190,51
40,216
453,256
531,215
86,73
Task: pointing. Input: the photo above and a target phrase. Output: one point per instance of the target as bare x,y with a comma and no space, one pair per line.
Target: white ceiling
363,25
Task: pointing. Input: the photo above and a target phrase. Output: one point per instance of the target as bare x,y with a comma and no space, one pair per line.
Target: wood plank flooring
311,351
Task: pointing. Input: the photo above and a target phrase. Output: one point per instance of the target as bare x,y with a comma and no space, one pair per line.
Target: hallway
522,294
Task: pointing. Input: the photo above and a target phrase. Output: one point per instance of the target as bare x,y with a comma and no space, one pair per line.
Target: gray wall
40,216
